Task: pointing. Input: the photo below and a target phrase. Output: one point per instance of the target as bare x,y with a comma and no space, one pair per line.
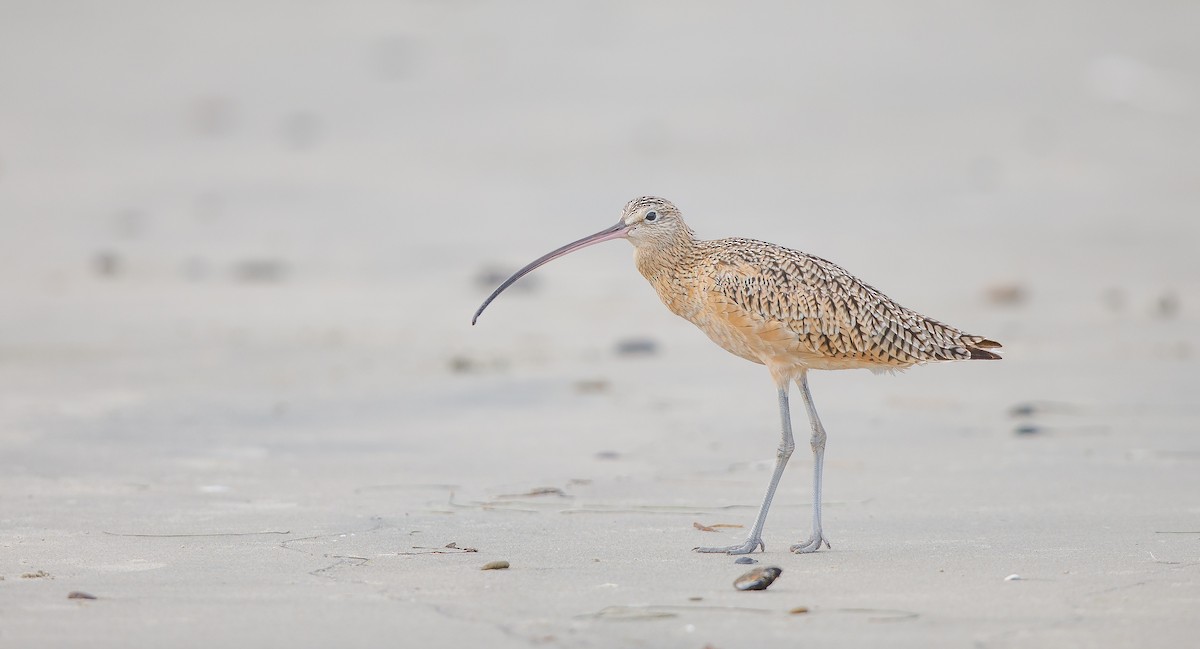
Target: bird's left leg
786,445
817,442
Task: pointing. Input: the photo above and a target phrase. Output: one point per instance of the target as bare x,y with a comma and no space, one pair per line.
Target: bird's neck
666,258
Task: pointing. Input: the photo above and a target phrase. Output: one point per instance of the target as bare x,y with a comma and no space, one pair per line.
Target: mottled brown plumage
784,308
780,307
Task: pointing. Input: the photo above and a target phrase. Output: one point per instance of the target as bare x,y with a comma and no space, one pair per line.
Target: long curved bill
617,231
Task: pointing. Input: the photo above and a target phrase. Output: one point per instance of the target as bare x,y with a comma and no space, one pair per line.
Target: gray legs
818,447
786,445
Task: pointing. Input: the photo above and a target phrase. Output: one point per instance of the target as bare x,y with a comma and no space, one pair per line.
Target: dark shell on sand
758,579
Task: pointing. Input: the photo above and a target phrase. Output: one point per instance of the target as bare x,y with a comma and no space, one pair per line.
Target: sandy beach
242,404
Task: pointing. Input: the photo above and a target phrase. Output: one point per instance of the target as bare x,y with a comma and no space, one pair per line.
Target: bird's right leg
786,446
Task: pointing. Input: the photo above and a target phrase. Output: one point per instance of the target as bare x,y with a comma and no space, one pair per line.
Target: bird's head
648,222
653,222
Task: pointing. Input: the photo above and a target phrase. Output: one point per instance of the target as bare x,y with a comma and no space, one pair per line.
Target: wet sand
241,402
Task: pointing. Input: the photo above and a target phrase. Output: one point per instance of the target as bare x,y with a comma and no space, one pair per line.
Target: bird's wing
826,311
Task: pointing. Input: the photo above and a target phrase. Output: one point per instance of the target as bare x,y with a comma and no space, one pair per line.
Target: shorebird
782,308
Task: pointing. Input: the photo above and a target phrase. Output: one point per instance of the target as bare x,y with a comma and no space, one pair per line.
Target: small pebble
260,271
591,386
106,264
799,610
495,565
463,365
745,560
636,347
1168,305
1027,429
79,594
1013,577
1022,410
758,579
1006,294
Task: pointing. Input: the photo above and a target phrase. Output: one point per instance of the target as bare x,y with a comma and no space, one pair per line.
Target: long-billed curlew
782,308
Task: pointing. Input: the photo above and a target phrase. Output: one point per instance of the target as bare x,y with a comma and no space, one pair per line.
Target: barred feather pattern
793,311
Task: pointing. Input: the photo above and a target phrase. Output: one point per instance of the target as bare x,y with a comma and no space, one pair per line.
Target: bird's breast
679,292
689,295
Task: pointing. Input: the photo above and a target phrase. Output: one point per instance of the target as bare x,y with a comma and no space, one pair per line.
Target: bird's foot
749,546
813,544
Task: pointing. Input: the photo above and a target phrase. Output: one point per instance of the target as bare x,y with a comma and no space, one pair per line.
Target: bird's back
783,307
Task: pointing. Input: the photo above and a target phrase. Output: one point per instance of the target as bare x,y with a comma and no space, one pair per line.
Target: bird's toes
811,545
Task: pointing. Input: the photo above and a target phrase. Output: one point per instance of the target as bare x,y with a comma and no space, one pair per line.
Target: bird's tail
979,346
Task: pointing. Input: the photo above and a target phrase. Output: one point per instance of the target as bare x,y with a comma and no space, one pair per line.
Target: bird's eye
651,216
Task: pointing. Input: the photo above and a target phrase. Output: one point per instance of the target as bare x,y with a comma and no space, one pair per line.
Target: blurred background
212,178
241,242
217,212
